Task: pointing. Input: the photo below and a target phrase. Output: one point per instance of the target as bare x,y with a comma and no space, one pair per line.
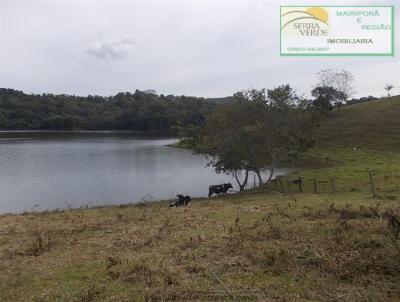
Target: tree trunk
260,181
271,173
242,185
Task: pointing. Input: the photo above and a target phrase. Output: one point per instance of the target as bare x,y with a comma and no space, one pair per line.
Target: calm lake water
47,170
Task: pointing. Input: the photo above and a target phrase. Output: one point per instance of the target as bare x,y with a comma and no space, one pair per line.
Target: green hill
359,139
374,124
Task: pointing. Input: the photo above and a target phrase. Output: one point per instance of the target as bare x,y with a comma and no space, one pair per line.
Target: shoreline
88,131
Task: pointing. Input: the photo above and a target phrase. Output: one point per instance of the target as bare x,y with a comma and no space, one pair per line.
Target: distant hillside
374,124
222,100
141,110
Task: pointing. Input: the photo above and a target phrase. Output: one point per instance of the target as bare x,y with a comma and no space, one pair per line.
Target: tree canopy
341,80
256,132
325,98
141,110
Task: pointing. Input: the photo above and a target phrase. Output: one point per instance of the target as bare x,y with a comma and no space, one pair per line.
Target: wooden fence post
280,184
315,184
301,185
333,185
371,181
289,185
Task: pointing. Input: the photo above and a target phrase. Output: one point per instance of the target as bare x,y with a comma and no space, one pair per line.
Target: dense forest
141,110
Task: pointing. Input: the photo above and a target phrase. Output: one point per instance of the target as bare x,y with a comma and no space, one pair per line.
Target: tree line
141,110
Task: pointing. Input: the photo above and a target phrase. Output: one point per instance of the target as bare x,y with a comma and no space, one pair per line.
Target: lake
51,170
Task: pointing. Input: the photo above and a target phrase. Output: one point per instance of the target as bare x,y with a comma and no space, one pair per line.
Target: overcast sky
202,48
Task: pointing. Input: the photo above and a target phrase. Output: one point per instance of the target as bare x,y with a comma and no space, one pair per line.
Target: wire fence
379,185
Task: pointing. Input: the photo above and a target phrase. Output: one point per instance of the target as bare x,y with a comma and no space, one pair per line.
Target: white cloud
111,50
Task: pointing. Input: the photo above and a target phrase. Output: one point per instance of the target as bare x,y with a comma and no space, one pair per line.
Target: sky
182,47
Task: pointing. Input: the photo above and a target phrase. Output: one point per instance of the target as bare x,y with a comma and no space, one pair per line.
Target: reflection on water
45,170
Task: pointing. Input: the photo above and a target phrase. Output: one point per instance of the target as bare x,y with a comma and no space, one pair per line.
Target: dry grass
276,247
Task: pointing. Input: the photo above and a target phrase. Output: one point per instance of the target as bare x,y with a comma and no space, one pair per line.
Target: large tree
341,80
256,132
325,97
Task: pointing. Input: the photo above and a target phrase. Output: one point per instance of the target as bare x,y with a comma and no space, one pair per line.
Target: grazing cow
218,189
180,200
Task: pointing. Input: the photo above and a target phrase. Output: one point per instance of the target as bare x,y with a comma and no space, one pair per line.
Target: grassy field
254,246
360,138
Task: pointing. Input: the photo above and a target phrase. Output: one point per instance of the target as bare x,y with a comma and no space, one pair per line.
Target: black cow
180,200
218,189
